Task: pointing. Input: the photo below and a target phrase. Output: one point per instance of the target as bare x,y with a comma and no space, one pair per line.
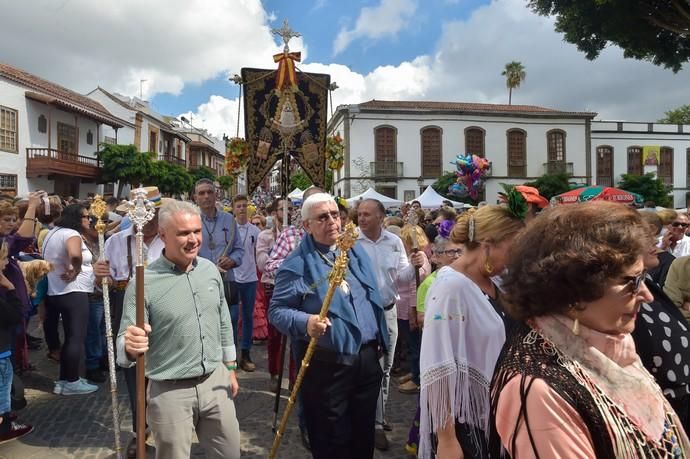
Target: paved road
81,426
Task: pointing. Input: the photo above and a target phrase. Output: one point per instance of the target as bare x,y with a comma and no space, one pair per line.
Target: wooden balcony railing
386,169
173,159
48,161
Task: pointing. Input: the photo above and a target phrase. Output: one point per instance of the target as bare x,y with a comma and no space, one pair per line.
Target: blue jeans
95,335
247,293
6,374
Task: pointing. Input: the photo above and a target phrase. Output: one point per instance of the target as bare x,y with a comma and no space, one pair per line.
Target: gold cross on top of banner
286,33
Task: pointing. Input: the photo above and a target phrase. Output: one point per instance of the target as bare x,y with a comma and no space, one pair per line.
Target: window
605,165
431,152
555,145
635,160
8,184
385,155
8,130
687,167
67,138
665,170
517,153
390,191
409,195
109,140
42,124
474,141
89,137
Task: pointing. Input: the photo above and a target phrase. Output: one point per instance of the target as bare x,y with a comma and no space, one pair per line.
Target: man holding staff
188,342
341,386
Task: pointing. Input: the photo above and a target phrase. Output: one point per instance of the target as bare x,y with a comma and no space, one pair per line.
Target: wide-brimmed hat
152,194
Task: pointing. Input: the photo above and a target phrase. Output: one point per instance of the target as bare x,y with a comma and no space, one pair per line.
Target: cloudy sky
443,50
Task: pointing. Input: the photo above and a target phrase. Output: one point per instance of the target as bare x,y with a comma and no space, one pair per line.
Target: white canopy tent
430,199
373,194
296,194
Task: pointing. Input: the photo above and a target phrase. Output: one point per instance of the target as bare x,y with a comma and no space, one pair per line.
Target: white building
401,147
617,148
49,136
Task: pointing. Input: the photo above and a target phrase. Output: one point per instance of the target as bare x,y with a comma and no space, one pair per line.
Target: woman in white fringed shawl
463,336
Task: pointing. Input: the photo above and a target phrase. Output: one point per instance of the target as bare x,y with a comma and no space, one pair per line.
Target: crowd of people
522,329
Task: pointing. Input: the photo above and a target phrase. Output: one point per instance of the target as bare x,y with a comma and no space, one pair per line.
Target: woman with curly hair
569,382
463,334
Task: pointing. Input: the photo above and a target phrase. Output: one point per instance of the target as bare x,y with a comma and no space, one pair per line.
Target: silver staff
98,209
141,211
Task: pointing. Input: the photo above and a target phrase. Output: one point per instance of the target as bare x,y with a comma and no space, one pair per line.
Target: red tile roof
466,107
59,95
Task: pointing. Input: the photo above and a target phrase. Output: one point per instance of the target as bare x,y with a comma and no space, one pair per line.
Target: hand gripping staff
335,279
141,211
98,209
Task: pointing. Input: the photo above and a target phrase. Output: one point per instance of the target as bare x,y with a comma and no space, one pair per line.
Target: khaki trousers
176,408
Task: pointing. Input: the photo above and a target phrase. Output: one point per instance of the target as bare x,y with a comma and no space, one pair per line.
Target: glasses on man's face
451,252
635,281
323,218
680,225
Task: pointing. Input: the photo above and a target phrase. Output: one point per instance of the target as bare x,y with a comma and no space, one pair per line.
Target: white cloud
384,20
218,116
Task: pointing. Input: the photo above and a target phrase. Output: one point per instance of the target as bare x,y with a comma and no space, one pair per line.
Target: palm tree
515,74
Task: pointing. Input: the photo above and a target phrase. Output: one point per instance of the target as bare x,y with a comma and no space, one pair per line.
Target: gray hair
172,207
316,198
204,181
440,244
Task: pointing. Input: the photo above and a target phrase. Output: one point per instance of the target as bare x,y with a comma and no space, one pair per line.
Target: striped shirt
191,332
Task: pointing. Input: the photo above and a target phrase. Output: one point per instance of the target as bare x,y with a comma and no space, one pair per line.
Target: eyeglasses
323,218
451,252
680,225
635,281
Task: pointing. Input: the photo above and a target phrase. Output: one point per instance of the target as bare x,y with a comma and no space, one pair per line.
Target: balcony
558,167
48,161
173,160
385,169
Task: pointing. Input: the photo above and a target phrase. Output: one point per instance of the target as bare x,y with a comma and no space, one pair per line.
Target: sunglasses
323,218
451,252
635,281
680,225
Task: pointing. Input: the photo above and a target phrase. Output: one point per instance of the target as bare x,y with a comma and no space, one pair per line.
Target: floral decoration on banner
236,156
471,172
335,152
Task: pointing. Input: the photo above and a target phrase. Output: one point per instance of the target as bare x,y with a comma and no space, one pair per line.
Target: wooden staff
141,211
412,220
335,279
98,209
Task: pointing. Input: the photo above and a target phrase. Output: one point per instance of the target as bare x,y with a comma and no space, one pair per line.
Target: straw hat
152,194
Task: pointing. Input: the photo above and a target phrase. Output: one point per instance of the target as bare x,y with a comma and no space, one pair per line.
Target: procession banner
650,155
285,112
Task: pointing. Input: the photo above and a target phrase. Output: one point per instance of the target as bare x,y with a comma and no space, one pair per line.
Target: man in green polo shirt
188,341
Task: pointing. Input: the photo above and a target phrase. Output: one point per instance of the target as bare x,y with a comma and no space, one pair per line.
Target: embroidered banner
650,155
290,121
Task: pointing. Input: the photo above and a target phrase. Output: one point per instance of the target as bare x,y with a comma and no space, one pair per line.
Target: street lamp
420,184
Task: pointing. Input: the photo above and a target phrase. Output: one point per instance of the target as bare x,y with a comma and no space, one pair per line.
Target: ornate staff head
98,209
345,242
141,211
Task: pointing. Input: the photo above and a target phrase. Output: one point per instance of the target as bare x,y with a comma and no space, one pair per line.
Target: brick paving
80,427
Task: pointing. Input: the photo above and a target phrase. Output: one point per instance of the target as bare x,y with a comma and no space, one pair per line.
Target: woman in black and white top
69,285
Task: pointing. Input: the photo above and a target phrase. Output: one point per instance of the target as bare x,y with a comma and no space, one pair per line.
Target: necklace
344,286
211,242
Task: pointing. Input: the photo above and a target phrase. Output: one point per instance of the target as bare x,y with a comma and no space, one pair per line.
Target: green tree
125,165
550,185
443,183
653,30
200,172
515,74
171,179
649,187
680,115
299,180
226,181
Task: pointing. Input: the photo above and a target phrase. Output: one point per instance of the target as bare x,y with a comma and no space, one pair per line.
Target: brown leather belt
120,285
194,380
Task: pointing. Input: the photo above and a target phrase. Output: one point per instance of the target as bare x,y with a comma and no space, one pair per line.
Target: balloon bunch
236,156
471,171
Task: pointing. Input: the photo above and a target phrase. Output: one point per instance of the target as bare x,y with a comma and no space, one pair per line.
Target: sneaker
95,375
77,387
57,390
246,364
405,378
411,449
17,430
408,388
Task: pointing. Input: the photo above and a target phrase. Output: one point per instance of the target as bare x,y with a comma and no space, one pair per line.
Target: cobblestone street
81,426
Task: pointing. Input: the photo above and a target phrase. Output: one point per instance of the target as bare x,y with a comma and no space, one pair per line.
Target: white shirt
389,262
248,234
682,248
55,252
115,252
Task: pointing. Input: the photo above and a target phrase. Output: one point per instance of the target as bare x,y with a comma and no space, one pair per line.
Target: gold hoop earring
488,267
